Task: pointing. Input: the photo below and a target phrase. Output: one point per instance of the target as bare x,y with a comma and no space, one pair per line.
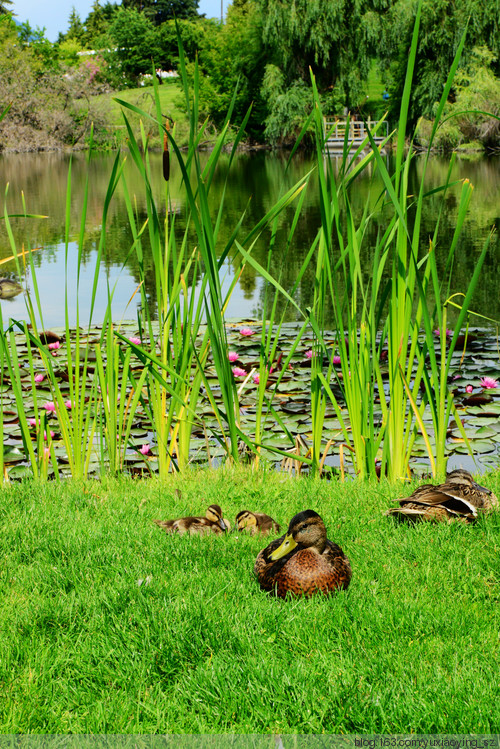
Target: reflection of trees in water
254,184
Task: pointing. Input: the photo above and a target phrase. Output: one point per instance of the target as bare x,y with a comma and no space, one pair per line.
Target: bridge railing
335,129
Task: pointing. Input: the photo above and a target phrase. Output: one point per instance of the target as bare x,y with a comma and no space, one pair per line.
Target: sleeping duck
213,522
303,561
256,522
459,498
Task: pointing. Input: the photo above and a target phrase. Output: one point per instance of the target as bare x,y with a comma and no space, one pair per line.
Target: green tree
159,11
3,6
333,38
441,27
98,21
233,59
198,36
76,30
133,44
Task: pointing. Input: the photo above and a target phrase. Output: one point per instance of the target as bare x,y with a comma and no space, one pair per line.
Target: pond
255,183
37,184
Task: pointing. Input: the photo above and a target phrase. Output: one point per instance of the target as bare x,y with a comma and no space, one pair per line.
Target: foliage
333,40
442,25
477,93
131,46
49,101
159,11
289,106
474,114
88,33
197,36
232,59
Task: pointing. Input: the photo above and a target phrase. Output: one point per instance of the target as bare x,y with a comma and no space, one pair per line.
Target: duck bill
288,545
222,524
480,488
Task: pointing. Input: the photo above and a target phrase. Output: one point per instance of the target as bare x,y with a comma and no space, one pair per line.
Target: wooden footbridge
335,132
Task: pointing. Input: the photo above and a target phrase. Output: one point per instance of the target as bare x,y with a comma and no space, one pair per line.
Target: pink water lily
39,377
52,434
309,354
232,356
54,346
238,372
247,331
145,449
50,407
68,405
469,388
256,379
449,333
488,382
32,422
336,360
135,340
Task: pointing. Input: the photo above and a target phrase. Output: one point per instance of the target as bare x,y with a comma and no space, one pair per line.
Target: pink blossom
238,372
309,354
46,452
68,405
449,333
39,377
54,346
135,340
232,356
50,407
336,360
469,388
256,379
51,434
32,422
247,331
145,449
488,382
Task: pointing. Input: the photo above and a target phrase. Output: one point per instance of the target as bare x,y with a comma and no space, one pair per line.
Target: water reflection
254,184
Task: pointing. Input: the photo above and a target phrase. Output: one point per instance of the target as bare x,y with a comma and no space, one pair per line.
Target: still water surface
256,181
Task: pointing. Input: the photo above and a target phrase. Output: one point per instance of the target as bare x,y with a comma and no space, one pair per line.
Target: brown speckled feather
256,522
459,498
306,569
201,526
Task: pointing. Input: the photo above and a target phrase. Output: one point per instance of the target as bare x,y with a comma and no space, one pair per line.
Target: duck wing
264,568
265,523
192,525
455,498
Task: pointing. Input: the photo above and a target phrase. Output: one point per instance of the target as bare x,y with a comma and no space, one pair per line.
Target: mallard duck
459,498
213,522
255,522
303,561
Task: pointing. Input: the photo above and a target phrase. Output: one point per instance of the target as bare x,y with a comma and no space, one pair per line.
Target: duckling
256,522
303,561
213,522
459,498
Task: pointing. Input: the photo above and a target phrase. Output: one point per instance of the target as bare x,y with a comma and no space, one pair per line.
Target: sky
53,15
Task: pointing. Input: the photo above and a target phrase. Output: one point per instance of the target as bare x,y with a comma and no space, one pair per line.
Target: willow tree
441,27
333,38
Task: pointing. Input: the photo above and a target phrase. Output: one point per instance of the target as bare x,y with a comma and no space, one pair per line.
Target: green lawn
171,101
111,626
